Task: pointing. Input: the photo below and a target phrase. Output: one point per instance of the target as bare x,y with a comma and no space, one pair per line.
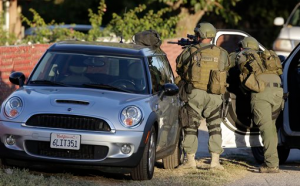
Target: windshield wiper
104,86
43,81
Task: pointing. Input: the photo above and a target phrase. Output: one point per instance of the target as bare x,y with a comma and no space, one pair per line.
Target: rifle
191,39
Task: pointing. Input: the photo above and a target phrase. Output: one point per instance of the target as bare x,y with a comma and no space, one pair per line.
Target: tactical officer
203,69
259,74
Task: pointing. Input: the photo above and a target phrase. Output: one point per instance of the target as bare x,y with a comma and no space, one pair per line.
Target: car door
174,104
167,106
238,129
291,85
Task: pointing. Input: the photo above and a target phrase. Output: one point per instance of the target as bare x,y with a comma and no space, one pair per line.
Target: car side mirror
282,58
169,89
17,78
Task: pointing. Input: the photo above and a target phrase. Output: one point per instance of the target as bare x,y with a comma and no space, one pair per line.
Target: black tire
174,160
283,154
145,169
258,153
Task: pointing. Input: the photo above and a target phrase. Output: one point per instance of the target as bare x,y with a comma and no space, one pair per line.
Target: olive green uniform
207,106
263,104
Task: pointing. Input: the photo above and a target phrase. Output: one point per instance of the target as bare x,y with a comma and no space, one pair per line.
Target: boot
215,161
265,169
191,162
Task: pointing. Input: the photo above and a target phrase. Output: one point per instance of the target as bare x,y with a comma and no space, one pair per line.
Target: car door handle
156,107
172,100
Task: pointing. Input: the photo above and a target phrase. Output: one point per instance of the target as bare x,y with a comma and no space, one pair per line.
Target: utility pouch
182,92
251,82
183,117
188,117
188,88
217,82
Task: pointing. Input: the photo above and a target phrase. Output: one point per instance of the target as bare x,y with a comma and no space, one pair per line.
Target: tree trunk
188,22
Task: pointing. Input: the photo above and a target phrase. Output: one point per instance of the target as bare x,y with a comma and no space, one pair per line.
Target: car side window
158,74
168,69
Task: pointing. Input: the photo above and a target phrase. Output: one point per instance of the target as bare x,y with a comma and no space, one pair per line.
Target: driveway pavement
289,172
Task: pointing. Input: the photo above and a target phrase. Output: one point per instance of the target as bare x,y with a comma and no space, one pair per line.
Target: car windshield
295,18
89,71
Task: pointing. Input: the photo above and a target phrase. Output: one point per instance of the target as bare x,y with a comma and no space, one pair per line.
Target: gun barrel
172,42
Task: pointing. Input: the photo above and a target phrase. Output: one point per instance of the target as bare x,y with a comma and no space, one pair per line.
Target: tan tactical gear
272,62
205,30
217,82
215,162
232,59
250,65
250,82
249,42
205,68
191,162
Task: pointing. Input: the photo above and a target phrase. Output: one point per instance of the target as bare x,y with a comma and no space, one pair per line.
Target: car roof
105,48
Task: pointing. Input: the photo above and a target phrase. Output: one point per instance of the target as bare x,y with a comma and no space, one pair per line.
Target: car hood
290,33
97,103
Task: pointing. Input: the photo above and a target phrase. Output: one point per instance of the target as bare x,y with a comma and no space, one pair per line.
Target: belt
274,85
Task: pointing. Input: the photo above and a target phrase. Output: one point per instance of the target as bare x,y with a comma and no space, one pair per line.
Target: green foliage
96,22
131,22
6,38
219,7
137,20
42,32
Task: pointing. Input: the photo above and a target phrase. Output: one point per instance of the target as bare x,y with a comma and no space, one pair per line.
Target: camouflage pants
262,105
206,105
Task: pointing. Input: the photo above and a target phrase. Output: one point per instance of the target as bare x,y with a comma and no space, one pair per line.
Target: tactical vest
204,68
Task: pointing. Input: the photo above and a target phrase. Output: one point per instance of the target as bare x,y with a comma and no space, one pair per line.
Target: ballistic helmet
249,42
205,30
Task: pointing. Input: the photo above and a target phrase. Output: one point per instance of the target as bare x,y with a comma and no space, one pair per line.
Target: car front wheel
145,169
258,153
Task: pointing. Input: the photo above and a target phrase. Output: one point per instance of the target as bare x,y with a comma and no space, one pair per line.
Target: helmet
205,30
249,42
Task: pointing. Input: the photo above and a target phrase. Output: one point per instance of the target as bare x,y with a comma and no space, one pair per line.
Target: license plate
65,141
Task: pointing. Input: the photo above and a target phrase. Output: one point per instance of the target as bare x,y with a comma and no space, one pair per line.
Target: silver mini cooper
112,106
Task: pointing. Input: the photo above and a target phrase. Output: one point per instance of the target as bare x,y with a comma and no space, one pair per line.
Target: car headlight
13,107
283,45
131,116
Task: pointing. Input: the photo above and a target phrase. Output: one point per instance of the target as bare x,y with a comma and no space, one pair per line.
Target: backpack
251,62
205,68
254,64
272,62
148,38
251,65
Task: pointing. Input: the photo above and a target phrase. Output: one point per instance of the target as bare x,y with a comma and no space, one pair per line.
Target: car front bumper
31,144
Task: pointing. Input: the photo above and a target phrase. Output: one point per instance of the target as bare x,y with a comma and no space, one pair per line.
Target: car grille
68,122
43,148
